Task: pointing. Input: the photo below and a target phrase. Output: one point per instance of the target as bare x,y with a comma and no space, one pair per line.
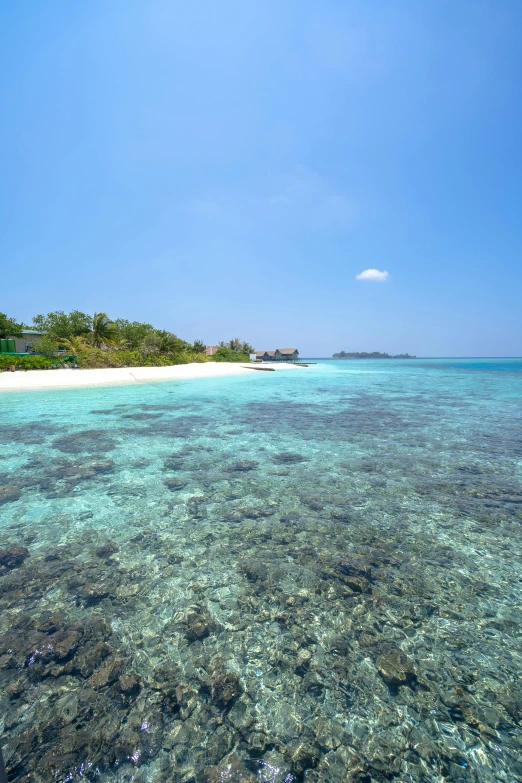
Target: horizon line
422,357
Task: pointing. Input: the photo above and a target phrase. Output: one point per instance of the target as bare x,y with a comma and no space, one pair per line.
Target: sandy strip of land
55,379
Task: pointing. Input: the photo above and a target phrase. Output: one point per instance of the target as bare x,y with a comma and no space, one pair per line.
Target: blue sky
229,168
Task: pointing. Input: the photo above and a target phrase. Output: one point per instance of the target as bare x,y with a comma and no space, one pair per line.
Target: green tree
9,327
74,344
237,346
60,325
170,343
103,331
198,346
225,354
120,343
133,332
163,342
46,345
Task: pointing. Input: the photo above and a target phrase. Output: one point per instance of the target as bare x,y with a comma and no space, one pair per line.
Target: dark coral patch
141,416
8,494
12,557
175,484
288,458
87,441
178,427
225,689
243,465
32,432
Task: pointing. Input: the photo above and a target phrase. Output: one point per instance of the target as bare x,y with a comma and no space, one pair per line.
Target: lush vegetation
9,327
233,351
227,355
30,362
60,325
236,346
96,357
374,355
99,341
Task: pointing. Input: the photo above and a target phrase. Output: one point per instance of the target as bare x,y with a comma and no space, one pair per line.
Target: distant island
373,355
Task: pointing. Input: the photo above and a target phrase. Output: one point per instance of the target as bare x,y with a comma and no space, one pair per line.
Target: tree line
98,340
373,355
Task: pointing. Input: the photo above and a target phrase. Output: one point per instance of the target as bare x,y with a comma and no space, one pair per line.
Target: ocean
289,577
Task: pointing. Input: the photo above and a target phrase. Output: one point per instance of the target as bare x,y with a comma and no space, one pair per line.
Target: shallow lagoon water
284,577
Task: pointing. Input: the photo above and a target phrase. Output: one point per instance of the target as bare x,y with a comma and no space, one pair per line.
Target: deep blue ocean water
290,576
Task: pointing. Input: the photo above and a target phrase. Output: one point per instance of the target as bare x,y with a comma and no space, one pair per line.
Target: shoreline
61,378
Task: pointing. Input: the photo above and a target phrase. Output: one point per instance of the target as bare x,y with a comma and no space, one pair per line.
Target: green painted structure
7,345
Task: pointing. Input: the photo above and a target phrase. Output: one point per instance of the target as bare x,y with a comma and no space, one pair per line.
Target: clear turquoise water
303,576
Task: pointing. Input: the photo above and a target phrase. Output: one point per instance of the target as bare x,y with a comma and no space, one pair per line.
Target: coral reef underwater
312,579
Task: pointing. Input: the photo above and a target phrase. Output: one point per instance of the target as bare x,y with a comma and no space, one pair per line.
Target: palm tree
162,342
103,331
237,346
74,343
120,344
198,346
168,342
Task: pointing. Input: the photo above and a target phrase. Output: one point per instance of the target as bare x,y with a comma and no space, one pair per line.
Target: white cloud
372,274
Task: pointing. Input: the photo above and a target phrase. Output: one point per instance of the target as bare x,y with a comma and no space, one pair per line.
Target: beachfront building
265,356
23,344
286,355
279,355
210,350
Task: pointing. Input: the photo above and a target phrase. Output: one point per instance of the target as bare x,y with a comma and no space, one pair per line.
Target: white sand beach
55,379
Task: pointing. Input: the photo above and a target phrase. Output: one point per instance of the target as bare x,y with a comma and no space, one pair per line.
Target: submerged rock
9,493
358,584
354,566
225,689
341,516
50,625
230,769
28,433
129,685
60,476
107,674
15,690
254,570
314,505
257,513
304,756
289,457
174,462
243,465
396,668
175,483
106,551
86,441
198,623
141,416
12,557
356,574
304,657
92,697
90,594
